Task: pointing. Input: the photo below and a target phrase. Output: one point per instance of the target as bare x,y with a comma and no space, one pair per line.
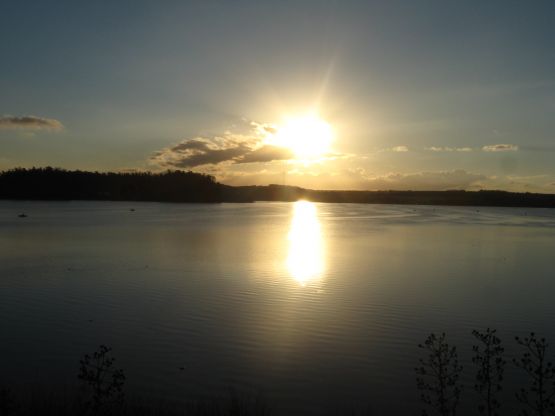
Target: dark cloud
193,144
229,148
30,123
500,148
198,152
209,157
266,153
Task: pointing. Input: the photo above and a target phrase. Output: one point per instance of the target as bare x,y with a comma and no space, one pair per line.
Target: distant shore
179,186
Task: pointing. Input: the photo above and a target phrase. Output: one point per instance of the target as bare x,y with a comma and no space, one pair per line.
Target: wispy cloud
400,149
441,180
30,123
449,149
500,148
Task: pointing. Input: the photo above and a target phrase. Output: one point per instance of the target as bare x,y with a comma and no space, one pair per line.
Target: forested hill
58,184
179,186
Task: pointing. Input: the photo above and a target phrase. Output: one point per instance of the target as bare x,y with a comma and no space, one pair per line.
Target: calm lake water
318,306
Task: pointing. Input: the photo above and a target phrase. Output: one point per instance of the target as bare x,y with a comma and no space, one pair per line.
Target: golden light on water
305,260
307,137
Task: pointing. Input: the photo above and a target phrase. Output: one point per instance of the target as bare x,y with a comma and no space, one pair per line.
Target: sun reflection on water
305,260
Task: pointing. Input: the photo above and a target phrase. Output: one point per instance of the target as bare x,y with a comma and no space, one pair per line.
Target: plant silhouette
488,357
438,376
538,397
103,382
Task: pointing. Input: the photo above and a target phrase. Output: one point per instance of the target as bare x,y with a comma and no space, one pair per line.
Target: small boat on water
22,215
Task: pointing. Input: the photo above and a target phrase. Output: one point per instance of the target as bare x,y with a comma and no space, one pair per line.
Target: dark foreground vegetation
179,186
101,392
438,375
234,404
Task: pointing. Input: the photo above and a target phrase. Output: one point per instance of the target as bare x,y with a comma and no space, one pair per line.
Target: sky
414,94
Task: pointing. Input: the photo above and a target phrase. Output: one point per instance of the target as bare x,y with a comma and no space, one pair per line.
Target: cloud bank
30,123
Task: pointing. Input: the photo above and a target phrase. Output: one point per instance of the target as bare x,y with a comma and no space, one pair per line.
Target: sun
308,136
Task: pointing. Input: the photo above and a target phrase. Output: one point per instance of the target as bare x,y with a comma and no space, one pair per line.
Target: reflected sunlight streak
305,260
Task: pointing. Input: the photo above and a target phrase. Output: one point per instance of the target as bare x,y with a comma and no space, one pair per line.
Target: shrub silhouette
538,398
488,356
438,376
104,382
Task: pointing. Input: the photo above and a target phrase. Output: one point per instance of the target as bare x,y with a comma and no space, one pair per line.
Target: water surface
318,306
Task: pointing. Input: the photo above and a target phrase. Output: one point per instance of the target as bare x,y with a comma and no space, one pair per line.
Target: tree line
181,186
59,184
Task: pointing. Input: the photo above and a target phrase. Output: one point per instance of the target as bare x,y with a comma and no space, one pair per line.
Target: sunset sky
406,94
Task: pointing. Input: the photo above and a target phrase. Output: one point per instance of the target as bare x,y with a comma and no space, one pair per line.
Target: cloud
266,153
229,148
500,148
30,123
200,151
400,149
423,181
449,149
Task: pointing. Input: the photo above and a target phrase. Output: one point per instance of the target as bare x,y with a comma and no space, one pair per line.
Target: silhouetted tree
488,357
438,376
104,382
538,397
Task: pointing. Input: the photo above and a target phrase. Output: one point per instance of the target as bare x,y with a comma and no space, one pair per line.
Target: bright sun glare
308,137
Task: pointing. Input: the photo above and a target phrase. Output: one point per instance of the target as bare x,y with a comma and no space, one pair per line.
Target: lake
319,307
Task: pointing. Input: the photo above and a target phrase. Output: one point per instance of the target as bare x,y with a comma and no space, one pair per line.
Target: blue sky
419,94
